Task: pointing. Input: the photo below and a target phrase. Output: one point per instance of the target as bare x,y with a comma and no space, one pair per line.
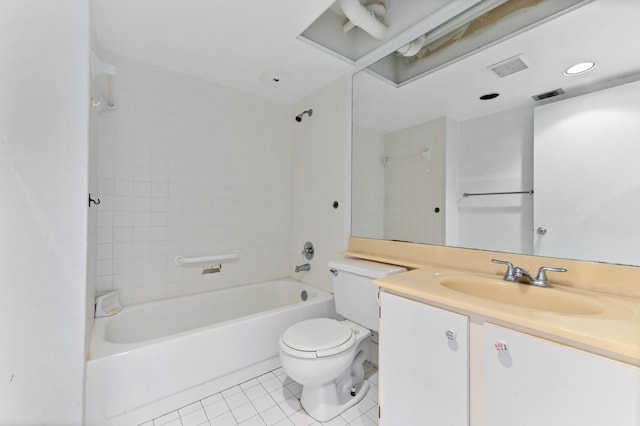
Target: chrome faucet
518,274
305,267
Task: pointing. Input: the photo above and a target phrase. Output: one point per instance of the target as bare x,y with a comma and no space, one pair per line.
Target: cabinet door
533,382
424,365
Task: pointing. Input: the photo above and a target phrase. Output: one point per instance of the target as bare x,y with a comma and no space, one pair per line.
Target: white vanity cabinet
439,368
531,382
424,364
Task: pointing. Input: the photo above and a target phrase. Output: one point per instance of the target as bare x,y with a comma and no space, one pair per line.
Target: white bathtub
155,357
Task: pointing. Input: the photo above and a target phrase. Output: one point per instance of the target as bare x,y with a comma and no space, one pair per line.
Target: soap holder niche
209,270
108,304
102,87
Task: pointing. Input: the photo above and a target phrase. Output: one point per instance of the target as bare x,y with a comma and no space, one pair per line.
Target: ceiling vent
547,95
509,66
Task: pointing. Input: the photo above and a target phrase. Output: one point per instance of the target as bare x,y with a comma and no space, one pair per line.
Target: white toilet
325,355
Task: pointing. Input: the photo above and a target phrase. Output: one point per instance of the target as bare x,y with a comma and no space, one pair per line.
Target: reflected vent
509,66
547,95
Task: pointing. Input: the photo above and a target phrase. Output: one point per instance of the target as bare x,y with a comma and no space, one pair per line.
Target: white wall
319,179
586,176
190,168
367,169
414,185
493,153
496,155
92,218
452,185
44,81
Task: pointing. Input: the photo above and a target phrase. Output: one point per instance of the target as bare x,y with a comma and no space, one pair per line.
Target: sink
523,295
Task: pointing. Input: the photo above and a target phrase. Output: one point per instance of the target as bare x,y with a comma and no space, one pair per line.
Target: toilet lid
317,335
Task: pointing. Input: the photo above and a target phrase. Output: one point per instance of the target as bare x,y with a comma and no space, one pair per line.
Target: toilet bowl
326,357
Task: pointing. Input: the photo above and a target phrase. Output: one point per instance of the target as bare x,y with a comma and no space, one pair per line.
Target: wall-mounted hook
91,200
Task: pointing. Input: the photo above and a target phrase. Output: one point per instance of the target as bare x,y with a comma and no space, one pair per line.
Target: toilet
326,355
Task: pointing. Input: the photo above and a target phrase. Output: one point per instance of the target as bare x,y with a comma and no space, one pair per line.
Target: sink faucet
518,274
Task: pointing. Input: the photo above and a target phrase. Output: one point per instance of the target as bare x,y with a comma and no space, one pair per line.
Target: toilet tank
355,295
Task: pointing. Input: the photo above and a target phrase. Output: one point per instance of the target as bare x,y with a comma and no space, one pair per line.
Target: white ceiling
605,31
244,43
235,43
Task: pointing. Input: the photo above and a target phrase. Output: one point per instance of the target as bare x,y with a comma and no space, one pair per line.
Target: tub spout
305,267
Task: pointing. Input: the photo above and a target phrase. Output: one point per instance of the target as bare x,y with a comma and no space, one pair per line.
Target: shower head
309,112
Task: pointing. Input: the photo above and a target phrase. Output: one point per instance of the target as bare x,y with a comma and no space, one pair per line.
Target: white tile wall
320,178
381,194
189,168
367,198
425,194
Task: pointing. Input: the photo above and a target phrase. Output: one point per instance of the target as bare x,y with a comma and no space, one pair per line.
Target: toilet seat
316,338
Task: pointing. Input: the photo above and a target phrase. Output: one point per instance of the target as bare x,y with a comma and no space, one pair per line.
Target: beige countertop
610,326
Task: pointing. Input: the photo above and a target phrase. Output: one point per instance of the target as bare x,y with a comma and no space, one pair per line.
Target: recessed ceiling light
580,68
489,96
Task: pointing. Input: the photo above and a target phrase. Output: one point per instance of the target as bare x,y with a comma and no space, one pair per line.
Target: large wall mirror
557,175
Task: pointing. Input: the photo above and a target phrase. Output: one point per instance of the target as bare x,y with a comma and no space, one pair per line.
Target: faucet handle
542,273
510,274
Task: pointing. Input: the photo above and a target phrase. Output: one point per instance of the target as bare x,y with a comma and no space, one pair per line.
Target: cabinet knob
501,346
451,334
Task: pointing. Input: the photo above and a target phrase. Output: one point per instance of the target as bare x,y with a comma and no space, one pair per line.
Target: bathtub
155,357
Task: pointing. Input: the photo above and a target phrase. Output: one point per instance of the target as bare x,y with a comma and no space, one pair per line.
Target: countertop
613,331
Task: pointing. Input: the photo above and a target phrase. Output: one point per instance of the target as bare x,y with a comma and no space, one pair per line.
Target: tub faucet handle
308,251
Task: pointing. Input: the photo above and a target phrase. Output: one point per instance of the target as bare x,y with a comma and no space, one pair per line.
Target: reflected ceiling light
580,68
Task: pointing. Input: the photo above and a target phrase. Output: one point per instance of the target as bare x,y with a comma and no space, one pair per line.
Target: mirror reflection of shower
309,112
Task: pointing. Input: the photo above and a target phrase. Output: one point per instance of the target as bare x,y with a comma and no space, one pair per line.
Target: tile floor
272,400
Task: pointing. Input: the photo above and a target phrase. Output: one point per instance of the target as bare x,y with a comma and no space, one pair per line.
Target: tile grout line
284,386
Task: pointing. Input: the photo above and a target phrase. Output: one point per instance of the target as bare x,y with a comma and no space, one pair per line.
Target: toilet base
324,402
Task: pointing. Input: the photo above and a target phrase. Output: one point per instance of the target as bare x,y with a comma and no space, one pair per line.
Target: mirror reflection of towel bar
467,194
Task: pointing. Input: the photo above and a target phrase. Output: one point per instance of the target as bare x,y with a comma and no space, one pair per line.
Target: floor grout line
287,386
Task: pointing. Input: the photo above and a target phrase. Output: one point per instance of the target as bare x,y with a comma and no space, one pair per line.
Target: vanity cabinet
424,364
530,382
442,368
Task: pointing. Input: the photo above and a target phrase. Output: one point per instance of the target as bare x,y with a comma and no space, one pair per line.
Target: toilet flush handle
334,272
